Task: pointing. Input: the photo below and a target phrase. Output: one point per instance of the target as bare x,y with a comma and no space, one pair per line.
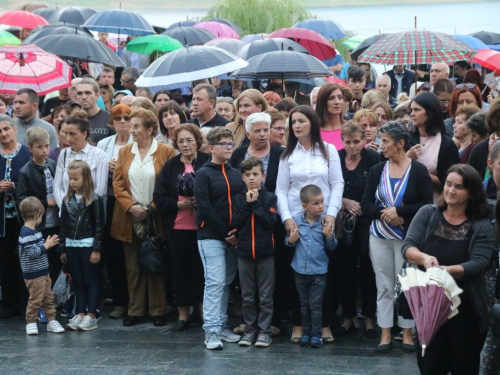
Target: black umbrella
270,45
185,184
487,37
76,15
189,36
87,49
231,24
56,29
363,46
231,45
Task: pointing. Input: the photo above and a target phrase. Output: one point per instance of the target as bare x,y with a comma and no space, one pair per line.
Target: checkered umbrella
417,47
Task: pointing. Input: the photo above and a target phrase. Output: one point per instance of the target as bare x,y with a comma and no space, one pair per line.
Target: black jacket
272,168
408,80
165,195
255,222
215,121
215,187
79,221
418,193
31,182
478,158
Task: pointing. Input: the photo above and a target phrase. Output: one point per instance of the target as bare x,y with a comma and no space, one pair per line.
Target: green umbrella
353,41
7,38
153,43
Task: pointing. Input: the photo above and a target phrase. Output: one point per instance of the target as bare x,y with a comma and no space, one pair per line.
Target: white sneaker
88,323
74,322
31,329
54,326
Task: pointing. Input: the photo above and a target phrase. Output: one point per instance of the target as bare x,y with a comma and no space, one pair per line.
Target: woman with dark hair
169,116
443,88
474,77
456,235
395,190
330,109
161,98
59,116
107,93
430,144
476,125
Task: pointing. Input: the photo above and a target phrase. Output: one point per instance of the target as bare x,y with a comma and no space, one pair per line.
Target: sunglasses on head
467,85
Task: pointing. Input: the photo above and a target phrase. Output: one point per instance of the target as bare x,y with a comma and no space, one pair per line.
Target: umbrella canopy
284,65
7,38
27,66
329,29
269,45
495,47
189,36
353,41
189,64
23,19
253,37
417,47
75,15
229,23
471,41
218,29
489,59
56,29
119,21
151,43
487,37
187,23
30,7
317,45
363,46
433,298
231,45
88,49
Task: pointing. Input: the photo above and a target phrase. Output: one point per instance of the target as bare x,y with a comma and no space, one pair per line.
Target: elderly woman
169,117
13,157
248,102
356,162
179,221
278,127
369,120
456,235
141,102
107,92
329,107
307,159
383,111
225,107
395,190
430,144
136,172
161,98
59,116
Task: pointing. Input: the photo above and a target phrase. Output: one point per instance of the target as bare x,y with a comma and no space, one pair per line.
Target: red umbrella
488,58
218,29
21,18
27,66
317,45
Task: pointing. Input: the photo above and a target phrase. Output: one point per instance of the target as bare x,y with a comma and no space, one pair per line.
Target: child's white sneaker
87,324
74,322
31,329
54,326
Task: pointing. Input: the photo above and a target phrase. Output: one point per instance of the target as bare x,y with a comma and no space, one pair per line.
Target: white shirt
303,168
94,157
142,175
399,78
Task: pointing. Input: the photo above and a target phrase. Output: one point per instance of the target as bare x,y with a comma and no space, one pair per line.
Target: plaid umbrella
417,47
365,44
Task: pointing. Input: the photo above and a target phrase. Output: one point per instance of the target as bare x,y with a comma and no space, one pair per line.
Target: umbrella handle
423,350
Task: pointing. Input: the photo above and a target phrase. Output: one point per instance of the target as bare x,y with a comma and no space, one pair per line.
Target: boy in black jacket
254,217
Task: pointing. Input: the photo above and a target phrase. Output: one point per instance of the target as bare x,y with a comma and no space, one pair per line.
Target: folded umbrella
151,43
23,19
317,45
119,21
270,45
218,29
189,36
71,14
327,28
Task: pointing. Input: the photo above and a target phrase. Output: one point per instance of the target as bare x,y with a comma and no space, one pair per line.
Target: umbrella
231,24
253,37
218,29
76,15
363,46
119,21
316,44
353,41
27,66
30,7
417,47
151,43
471,41
328,29
433,298
185,184
487,37
495,47
88,49
269,45
9,39
231,45
189,64
488,58
23,19
187,23
189,36
55,29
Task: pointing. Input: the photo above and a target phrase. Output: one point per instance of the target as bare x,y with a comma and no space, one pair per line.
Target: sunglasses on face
120,118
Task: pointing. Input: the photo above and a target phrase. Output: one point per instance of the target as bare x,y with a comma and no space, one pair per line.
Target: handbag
344,226
151,254
400,301
140,228
62,290
495,320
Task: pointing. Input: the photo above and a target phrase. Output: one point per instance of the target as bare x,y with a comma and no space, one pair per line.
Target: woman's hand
186,203
352,206
111,165
289,225
95,257
390,215
414,152
373,145
138,211
329,223
430,261
6,186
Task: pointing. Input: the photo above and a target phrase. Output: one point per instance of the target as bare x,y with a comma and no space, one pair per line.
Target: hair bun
80,113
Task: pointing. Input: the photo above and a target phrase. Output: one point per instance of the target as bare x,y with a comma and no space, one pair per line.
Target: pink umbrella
218,29
27,66
23,19
317,45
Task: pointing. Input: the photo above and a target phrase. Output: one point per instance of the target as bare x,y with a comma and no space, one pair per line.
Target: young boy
215,186
311,238
35,267
254,217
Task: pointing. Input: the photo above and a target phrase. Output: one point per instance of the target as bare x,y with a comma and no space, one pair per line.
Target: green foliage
260,16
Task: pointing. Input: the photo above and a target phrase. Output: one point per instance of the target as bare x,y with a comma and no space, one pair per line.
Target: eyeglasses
279,128
123,81
225,144
120,118
462,85
185,141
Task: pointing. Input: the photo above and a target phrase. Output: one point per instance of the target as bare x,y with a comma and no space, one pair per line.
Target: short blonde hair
37,135
30,207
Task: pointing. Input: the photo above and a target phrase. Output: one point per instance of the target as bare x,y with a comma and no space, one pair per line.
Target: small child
35,266
81,239
254,216
311,238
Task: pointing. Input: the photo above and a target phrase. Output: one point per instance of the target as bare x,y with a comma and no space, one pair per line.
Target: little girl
81,238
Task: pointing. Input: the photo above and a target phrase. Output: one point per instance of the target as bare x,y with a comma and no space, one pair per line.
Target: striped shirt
32,253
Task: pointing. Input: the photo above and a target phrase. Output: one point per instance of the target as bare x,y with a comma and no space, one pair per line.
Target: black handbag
495,320
402,307
151,254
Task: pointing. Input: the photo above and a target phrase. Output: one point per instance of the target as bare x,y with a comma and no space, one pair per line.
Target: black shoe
180,325
346,331
371,334
410,348
159,320
384,348
130,320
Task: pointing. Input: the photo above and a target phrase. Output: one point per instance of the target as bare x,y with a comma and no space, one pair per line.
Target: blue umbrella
495,47
471,41
119,21
75,15
253,37
329,29
182,24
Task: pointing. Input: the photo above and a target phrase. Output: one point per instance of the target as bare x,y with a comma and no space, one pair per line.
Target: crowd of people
308,205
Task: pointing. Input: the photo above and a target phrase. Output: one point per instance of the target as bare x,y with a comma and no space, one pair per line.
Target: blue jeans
311,289
220,265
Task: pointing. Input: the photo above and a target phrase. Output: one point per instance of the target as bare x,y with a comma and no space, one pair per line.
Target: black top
50,104
355,180
217,120
99,126
478,158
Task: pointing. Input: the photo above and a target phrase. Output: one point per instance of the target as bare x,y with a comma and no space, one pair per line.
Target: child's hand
252,195
231,239
63,258
95,257
294,235
51,241
51,202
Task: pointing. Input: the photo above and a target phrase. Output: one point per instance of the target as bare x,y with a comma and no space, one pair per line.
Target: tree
260,16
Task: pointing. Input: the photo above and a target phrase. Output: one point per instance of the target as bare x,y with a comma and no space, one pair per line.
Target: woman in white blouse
308,160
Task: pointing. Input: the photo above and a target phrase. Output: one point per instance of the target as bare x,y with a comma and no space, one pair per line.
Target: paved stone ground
145,349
